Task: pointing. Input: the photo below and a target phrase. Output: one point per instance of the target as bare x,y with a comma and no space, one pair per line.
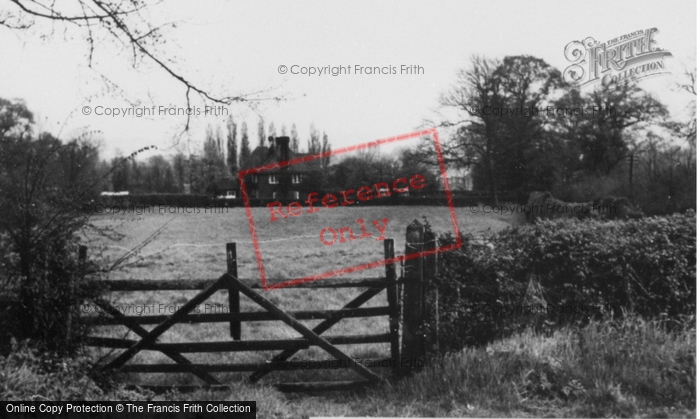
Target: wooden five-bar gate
405,309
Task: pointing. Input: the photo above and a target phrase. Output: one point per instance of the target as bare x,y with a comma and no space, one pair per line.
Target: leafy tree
245,146
326,146
474,141
504,149
616,117
232,147
261,133
213,160
179,164
314,143
120,175
526,83
136,181
160,178
43,181
294,138
15,120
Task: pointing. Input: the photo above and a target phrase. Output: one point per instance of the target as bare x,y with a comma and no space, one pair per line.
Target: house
225,188
459,179
288,182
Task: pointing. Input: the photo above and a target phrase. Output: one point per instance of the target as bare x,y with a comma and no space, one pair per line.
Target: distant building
120,193
225,188
458,179
289,182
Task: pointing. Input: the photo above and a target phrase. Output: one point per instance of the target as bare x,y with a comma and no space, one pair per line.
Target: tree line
223,154
626,143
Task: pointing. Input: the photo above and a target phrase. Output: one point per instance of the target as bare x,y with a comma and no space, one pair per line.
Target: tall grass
621,368
608,368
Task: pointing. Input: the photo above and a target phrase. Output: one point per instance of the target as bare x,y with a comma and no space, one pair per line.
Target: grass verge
628,368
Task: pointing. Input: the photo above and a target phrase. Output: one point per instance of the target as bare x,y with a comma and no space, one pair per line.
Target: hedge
562,272
459,198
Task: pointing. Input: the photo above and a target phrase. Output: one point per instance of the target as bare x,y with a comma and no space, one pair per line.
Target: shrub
45,306
29,374
563,272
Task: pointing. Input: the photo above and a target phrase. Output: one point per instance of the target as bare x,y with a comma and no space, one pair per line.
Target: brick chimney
283,146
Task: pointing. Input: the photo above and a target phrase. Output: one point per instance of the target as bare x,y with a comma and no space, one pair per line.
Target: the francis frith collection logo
632,56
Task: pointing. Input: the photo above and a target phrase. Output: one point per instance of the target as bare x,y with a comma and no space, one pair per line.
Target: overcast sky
238,46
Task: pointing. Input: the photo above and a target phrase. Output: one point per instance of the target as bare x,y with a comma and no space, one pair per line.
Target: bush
563,272
44,307
29,374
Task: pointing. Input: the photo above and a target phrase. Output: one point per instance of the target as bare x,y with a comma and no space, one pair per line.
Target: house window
296,178
254,179
274,180
231,194
274,195
295,194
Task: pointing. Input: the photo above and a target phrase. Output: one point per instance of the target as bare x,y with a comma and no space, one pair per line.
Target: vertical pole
393,300
413,342
234,297
430,267
73,309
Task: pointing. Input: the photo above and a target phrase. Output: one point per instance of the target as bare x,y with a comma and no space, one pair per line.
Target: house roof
224,184
262,156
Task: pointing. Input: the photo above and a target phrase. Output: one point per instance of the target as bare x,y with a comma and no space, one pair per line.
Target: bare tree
691,131
129,24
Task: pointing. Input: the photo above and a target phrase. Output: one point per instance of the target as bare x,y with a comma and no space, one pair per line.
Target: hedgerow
562,272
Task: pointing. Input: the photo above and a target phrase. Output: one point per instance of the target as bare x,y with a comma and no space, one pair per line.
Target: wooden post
73,305
430,267
392,297
412,348
234,296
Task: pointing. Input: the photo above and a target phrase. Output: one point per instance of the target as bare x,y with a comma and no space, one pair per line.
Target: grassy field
193,246
637,369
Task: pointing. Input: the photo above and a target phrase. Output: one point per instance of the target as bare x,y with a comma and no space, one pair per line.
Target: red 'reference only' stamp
313,201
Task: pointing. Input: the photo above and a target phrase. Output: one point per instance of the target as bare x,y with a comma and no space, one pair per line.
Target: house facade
284,183
459,179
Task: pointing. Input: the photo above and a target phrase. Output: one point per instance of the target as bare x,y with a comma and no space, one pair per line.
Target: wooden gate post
234,296
413,343
73,313
431,305
392,297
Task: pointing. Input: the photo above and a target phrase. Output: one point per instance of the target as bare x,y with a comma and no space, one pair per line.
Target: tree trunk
492,180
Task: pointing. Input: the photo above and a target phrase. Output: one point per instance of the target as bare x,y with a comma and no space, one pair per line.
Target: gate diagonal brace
151,337
136,328
320,328
299,327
